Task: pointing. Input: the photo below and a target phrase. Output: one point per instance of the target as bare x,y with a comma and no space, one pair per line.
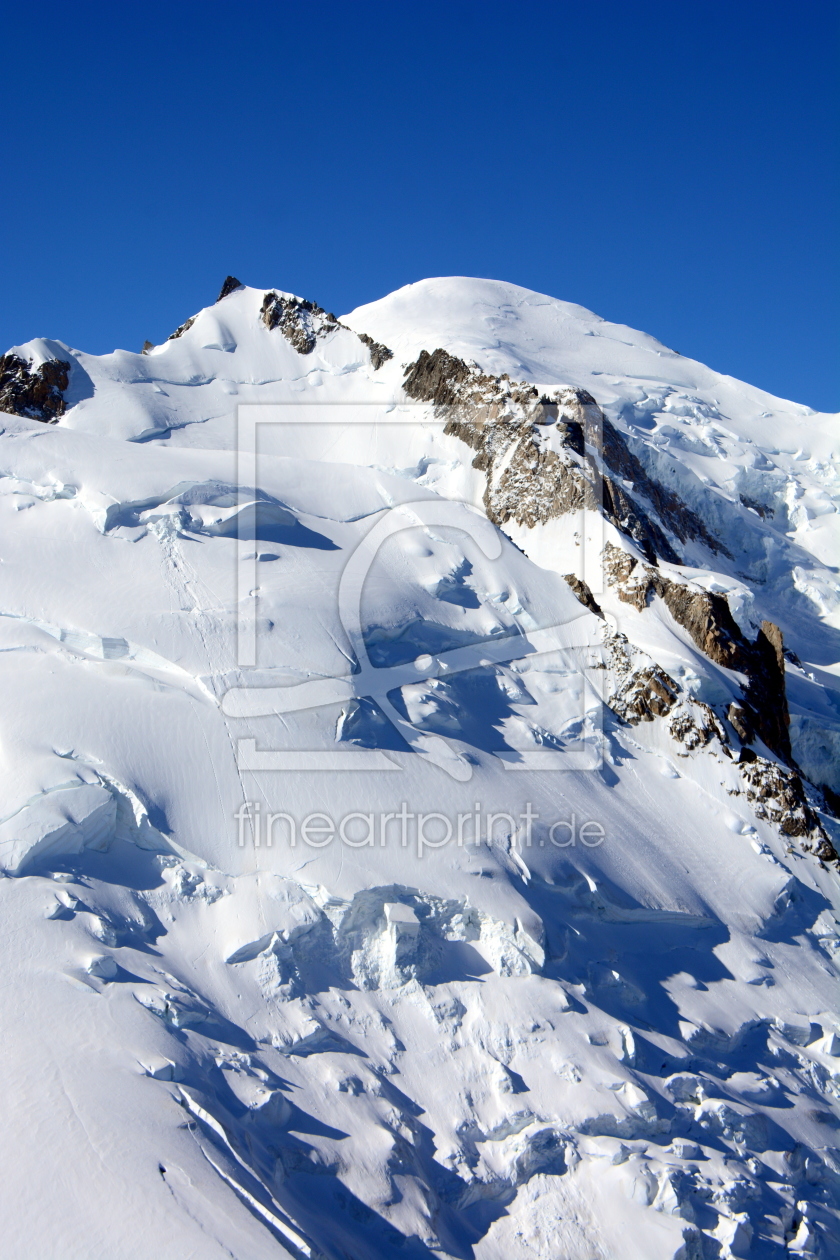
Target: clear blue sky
672,166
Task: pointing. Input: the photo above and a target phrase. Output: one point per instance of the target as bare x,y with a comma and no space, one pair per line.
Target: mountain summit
421,731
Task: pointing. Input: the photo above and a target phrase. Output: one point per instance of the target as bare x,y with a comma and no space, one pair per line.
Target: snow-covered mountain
421,736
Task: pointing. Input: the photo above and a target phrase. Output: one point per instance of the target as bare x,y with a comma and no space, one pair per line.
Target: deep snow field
538,955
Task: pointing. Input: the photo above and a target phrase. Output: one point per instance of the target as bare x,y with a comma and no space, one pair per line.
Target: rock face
300,322
230,285
640,690
379,354
778,795
531,479
38,394
179,332
528,479
705,615
435,378
583,593
707,618
766,694
694,725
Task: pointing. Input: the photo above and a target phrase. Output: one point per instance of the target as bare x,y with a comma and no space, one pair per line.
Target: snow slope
532,1037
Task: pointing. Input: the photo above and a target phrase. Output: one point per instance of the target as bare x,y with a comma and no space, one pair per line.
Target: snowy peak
419,827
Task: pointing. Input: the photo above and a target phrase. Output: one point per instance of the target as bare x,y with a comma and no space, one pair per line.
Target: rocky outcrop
777,794
435,378
179,332
230,285
582,592
694,725
630,578
37,393
705,615
300,322
766,695
639,689
528,479
621,509
741,721
532,477
379,354
707,618
761,509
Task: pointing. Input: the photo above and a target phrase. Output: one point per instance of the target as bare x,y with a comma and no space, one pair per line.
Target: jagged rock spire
230,285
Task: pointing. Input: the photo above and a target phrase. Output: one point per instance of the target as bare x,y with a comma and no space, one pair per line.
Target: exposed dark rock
583,593
503,422
531,481
825,850
630,579
741,720
642,690
650,693
675,515
179,332
766,692
695,725
534,484
230,285
631,520
761,509
707,618
38,394
776,794
147,346
379,354
300,322
572,430
704,614
435,378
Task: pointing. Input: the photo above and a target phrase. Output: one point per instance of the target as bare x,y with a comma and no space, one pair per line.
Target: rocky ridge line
528,481
504,422
639,690
302,322
707,618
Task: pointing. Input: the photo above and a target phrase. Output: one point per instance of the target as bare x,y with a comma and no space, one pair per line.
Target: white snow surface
507,1047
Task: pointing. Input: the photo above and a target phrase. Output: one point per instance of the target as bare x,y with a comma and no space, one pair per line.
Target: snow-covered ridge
597,637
